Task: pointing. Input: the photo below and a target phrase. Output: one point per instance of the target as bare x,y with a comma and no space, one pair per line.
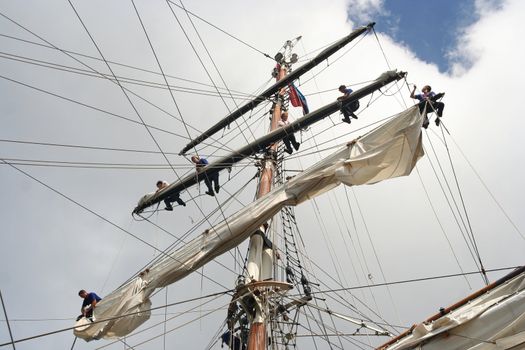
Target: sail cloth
493,321
389,151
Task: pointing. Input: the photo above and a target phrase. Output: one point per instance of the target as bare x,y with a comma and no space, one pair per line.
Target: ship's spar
264,142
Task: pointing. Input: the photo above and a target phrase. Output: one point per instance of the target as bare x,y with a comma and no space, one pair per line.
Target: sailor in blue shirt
89,303
212,177
349,109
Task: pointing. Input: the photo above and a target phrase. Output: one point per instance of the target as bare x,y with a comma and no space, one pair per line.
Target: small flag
297,99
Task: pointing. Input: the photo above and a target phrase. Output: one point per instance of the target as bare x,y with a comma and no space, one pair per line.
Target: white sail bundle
389,151
493,321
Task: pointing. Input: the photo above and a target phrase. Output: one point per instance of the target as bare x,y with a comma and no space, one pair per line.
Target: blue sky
429,28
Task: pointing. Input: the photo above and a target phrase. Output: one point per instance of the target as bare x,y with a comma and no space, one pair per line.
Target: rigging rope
439,221
122,79
483,272
221,30
463,229
161,71
114,63
95,71
203,65
489,192
116,317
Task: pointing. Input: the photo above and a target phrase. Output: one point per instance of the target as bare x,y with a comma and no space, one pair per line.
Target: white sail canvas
389,151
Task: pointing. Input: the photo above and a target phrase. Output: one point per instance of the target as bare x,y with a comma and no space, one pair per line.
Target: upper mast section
285,56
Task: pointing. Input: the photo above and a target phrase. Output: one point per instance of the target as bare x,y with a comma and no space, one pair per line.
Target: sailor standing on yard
212,177
428,103
289,139
348,110
173,198
89,303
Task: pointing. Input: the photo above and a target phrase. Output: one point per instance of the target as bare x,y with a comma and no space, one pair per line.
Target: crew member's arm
412,94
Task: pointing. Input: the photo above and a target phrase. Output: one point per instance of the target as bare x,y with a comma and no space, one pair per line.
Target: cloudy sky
66,207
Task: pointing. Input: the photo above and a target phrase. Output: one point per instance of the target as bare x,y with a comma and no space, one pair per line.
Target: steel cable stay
161,70
376,255
427,195
204,66
335,60
365,270
117,64
388,65
455,213
16,341
219,29
214,65
413,280
104,111
215,336
356,254
163,323
487,189
125,90
125,80
129,99
469,235
471,230
354,245
97,148
100,216
88,106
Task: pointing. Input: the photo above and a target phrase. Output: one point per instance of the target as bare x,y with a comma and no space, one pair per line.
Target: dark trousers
173,198
432,106
290,140
349,109
212,178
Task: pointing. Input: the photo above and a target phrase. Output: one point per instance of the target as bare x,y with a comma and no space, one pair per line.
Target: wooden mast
260,259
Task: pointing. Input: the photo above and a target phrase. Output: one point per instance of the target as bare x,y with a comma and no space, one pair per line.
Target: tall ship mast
374,231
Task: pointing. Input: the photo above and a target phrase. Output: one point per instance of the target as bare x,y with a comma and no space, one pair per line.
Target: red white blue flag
297,99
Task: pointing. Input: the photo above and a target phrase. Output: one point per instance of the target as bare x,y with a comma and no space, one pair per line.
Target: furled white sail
494,320
388,151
